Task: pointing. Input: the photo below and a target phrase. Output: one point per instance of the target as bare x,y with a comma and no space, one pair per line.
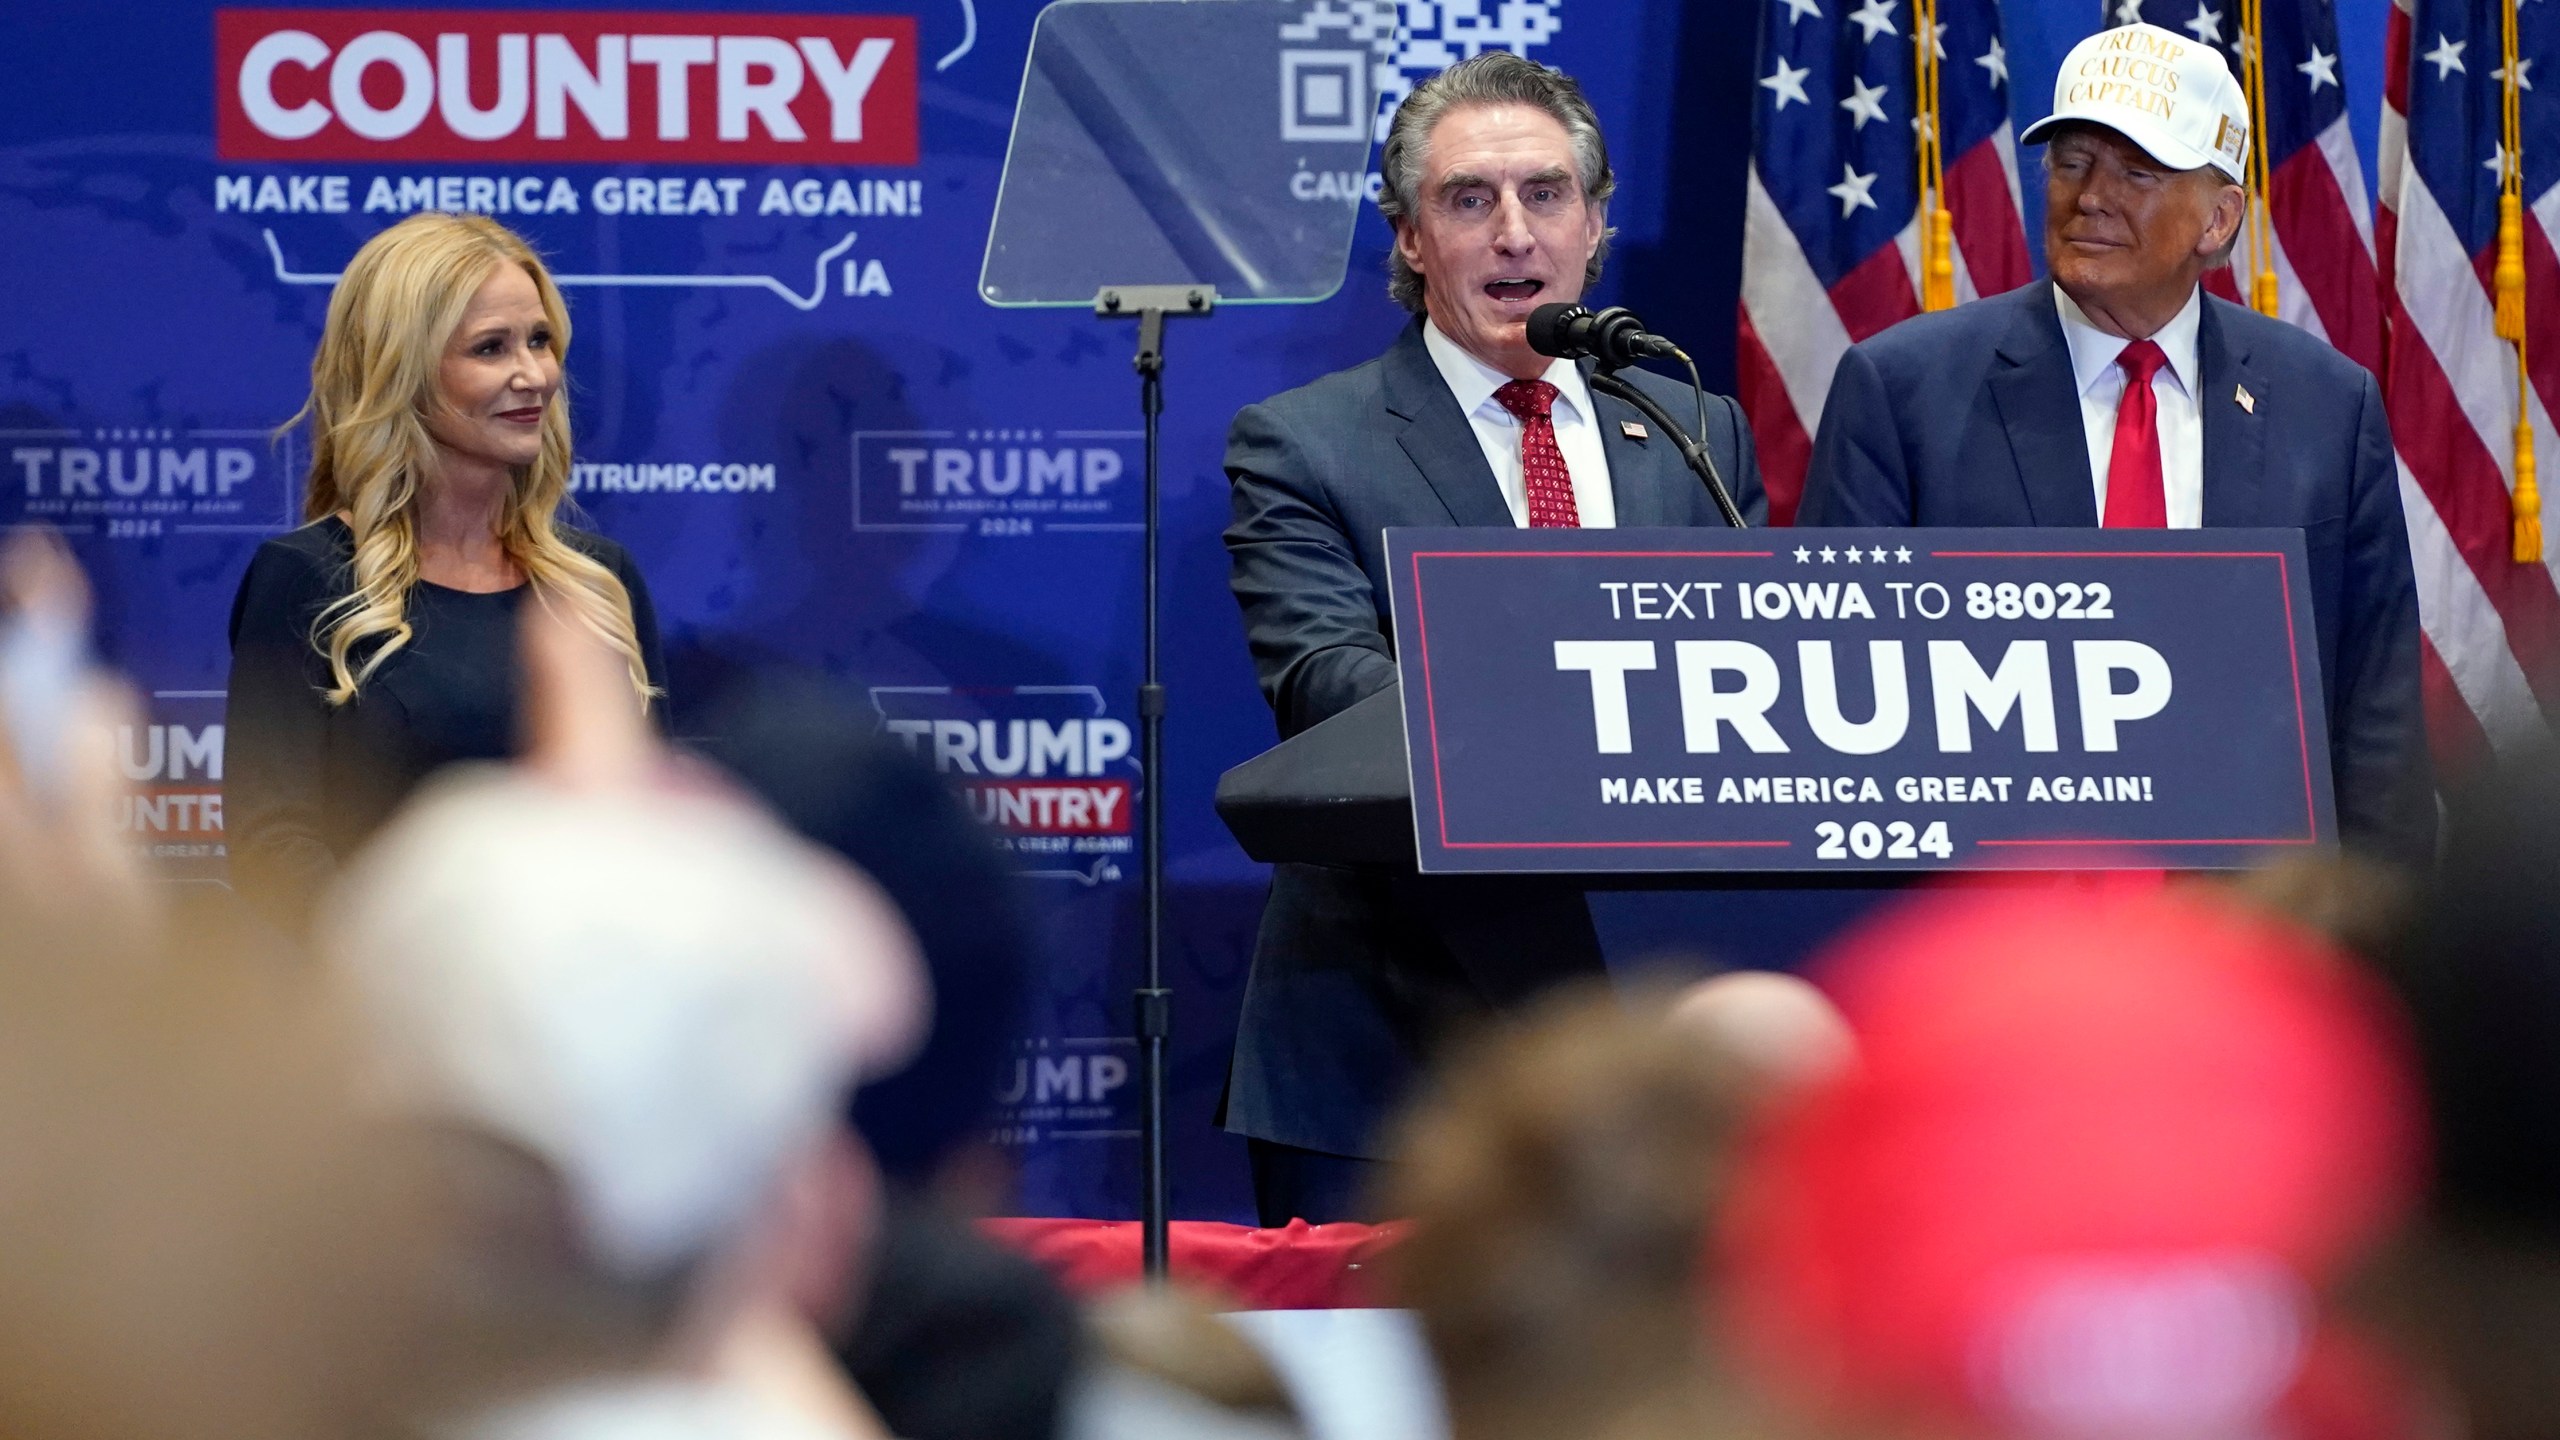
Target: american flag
2491,621
2321,248
1832,235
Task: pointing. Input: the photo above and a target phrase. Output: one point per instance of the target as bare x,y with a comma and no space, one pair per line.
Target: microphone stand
1692,450
1150,306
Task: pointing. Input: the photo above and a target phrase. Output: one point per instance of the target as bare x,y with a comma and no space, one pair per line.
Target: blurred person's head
203,1237
1171,1364
1777,1027
1558,1173
206,1241
630,1015
440,371
2101,1163
2480,1292
2362,906
813,753
958,1337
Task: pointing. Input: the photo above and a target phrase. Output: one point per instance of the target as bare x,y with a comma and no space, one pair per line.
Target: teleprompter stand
1156,141
1151,306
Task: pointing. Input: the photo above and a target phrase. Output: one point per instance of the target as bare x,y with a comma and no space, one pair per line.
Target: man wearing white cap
2120,394
624,1007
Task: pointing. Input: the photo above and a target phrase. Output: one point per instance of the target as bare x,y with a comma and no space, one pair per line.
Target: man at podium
2121,394
1497,181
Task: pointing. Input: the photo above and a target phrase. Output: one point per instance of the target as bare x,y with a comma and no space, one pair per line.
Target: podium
1335,793
1338,793
1630,708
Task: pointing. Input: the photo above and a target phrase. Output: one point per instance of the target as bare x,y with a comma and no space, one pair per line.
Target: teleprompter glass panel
1188,142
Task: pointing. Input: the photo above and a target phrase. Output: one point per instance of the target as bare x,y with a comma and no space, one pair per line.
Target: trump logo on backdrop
1044,766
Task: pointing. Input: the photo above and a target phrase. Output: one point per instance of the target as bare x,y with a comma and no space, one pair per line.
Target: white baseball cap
2164,91
659,991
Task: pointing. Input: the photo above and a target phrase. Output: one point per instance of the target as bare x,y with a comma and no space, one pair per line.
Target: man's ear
1406,246
2230,211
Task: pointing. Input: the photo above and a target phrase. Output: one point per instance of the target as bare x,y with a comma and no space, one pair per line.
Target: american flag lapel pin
2246,401
1631,430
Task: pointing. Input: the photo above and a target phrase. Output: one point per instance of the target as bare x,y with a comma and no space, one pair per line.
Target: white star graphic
2447,56
1902,554
1787,84
1854,556
1851,192
1995,60
2246,47
1802,554
1800,9
1865,101
2498,161
1920,127
1938,40
2524,73
1875,17
2323,69
1827,554
2207,26
2129,13
1879,554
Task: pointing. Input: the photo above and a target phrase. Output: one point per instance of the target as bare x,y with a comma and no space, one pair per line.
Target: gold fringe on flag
2528,497
2263,296
1937,226
2525,504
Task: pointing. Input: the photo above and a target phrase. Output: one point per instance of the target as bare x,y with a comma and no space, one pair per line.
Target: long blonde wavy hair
373,385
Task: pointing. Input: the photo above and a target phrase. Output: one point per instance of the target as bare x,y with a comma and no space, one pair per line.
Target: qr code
1436,34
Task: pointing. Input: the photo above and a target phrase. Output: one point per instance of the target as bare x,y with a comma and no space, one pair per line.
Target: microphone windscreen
1551,327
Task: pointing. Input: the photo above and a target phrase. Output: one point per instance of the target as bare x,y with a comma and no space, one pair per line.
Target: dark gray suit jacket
1355,972
1971,416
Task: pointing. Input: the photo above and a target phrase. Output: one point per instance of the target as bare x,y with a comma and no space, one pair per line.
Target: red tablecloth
1296,1267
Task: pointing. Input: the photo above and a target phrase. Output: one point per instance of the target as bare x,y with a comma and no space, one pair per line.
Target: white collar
2094,351
1473,381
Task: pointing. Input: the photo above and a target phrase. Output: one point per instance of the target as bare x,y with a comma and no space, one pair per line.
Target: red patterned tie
2137,498
1542,470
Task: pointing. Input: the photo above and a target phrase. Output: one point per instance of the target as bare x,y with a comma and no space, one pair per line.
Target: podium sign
1641,700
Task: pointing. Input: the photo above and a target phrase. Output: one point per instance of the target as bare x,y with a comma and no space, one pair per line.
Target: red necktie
2137,498
1542,471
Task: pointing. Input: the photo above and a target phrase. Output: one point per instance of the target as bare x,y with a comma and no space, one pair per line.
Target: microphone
1614,337
1617,339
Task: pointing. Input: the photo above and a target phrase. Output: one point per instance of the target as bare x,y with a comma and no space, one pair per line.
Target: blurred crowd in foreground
623,1093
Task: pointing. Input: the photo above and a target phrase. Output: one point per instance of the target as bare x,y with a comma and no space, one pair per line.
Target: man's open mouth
1514,289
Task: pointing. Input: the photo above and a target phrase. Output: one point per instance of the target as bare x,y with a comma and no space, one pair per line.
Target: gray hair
1495,77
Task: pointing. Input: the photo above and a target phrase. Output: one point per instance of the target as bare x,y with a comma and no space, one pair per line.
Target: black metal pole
1154,1002
1151,306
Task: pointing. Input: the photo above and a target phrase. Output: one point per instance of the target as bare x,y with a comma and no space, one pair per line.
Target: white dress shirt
1498,431
2101,384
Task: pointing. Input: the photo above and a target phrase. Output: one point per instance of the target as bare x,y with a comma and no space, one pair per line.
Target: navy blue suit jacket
1971,416
1355,971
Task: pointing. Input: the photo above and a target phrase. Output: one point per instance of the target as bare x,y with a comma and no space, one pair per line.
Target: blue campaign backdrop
839,458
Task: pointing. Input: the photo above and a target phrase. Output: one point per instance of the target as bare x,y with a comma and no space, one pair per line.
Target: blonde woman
378,642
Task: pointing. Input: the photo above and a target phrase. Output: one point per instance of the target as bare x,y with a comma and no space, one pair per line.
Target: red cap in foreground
2099,1156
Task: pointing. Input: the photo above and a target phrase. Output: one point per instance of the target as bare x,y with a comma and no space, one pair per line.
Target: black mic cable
1616,339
